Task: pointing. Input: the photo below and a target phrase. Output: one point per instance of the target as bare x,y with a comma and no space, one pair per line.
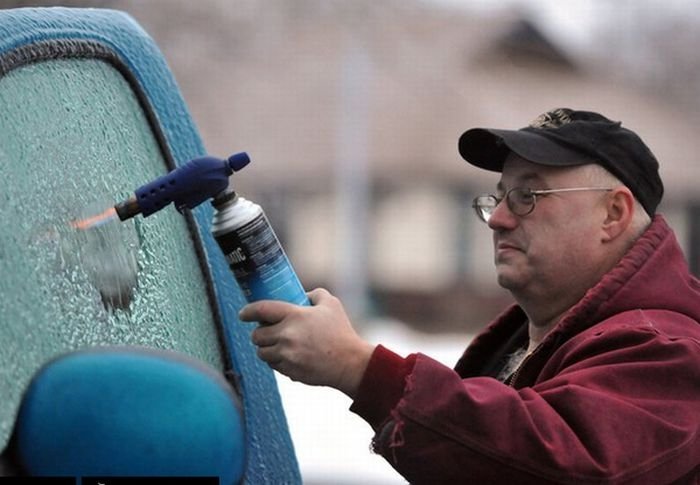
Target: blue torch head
190,184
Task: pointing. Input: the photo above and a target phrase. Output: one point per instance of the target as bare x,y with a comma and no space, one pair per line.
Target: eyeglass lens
520,201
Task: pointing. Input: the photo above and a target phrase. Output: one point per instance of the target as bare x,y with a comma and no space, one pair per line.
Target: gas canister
253,251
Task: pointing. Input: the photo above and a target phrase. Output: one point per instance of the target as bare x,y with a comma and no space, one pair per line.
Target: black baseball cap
565,137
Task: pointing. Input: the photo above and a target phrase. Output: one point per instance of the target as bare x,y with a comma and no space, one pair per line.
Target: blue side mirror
125,411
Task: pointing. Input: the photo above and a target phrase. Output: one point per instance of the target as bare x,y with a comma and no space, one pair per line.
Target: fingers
270,356
269,312
293,339
264,337
266,312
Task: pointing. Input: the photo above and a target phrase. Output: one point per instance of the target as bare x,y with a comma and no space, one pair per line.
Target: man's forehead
520,170
520,179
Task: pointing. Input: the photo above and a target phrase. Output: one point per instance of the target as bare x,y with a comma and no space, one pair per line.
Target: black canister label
259,263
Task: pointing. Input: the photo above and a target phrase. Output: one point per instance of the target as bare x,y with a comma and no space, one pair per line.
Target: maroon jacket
612,395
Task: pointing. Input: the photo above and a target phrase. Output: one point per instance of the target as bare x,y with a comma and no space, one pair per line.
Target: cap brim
488,149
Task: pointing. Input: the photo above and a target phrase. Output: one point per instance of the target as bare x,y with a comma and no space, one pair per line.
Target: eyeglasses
521,200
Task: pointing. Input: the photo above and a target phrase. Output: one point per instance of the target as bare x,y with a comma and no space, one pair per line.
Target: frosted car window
73,141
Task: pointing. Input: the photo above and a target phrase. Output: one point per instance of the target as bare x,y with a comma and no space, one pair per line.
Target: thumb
318,295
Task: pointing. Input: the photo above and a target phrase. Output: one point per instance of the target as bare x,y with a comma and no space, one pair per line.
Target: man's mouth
506,246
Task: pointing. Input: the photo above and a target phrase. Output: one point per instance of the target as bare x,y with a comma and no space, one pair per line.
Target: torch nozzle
128,208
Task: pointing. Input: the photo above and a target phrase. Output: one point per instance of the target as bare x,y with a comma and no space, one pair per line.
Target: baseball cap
565,137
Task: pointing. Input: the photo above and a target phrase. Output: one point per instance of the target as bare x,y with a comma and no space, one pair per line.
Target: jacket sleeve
622,406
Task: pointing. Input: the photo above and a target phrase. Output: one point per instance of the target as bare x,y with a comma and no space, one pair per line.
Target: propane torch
186,187
240,227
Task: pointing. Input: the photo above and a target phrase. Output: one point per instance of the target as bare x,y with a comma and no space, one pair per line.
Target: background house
351,113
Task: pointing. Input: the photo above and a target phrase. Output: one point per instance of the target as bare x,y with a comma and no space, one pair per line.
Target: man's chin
508,279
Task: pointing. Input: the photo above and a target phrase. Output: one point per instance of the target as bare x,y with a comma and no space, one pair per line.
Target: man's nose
502,217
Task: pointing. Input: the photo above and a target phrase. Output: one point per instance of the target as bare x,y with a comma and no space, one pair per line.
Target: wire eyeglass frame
521,200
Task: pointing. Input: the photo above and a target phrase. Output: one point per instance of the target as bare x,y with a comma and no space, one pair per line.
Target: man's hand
316,345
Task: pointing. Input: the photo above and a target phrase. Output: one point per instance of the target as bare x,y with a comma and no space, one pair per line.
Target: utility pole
352,177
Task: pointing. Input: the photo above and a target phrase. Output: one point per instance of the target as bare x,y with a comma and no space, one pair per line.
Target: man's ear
620,207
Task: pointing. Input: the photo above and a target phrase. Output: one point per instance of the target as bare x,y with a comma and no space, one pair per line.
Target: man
592,377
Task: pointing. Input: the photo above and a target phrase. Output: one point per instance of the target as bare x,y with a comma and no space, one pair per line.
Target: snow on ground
331,443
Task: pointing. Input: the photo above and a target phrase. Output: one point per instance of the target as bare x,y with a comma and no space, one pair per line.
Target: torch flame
94,221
